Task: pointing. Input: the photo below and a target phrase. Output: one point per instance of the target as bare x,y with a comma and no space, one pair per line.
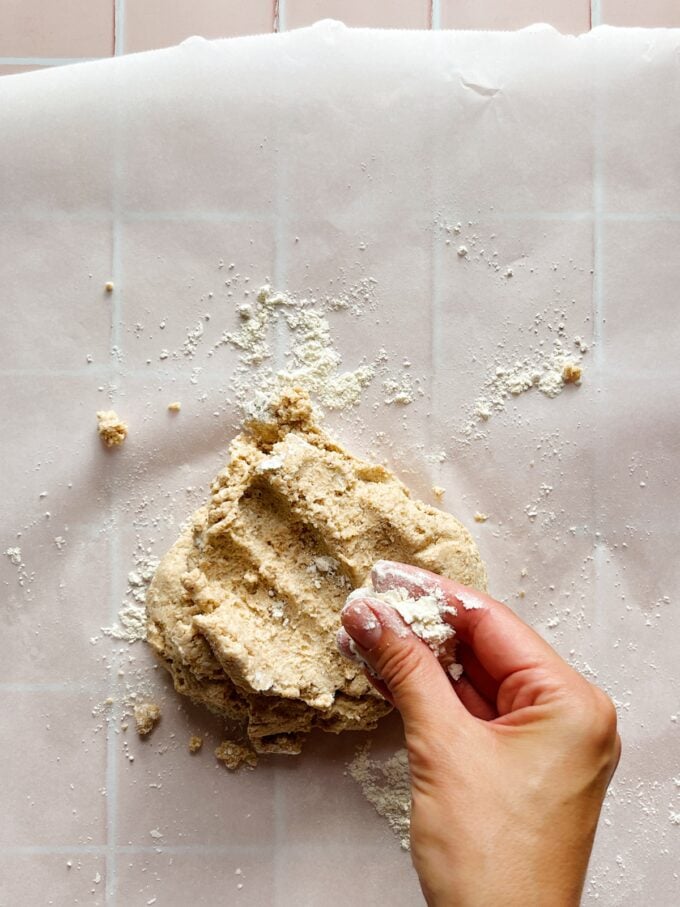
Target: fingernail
361,624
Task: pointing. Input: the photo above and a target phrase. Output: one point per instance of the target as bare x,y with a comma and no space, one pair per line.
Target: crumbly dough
235,755
147,715
243,609
112,430
195,743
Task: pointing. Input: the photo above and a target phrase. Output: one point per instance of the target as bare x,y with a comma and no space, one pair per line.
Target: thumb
416,682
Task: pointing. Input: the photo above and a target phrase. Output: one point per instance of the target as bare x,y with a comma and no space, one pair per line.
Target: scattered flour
387,786
547,372
14,554
131,626
312,361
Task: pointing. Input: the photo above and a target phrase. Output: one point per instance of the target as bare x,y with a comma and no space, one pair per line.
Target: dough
112,430
243,609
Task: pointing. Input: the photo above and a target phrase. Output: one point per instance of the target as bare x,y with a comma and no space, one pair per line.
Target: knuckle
600,726
397,666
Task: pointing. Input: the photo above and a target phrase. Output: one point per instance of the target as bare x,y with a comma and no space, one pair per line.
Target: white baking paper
323,161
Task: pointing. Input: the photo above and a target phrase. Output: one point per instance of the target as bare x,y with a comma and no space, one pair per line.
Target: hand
509,765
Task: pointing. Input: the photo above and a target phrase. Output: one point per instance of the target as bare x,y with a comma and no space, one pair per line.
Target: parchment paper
317,159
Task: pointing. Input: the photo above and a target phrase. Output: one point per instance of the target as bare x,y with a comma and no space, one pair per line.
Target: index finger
500,639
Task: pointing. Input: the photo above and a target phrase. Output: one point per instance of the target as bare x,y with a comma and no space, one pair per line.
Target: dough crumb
147,715
481,517
438,491
112,430
571,373
195,743
174,407
108,286
235,755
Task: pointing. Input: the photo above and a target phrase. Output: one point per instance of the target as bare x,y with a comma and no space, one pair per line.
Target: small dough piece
174,407
571,373
235,755
147,715
195,743
244,608
112,430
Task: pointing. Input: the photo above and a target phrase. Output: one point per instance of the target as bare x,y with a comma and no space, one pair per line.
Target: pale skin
509,765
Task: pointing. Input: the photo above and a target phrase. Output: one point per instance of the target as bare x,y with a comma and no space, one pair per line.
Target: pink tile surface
71,28
200,879
52,766
634,277
649,14
151,23
65,260
160,281
9,70
42,878
191,799
359,13
567,16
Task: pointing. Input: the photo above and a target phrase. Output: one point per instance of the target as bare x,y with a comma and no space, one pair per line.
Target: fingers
502,643
417,685
482,681
473,700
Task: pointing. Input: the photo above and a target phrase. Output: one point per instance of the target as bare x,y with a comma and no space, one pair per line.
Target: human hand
509,765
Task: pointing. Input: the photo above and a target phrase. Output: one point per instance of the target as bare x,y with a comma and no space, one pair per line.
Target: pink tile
640,322
319,800
6,70
54,186
358,13
51,629
650,14
73,28
53,770
174,274
570,18
48,265
43,878
201,879
635,177
339,874
191,799
152,23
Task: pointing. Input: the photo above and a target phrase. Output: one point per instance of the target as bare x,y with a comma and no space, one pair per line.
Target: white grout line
112,740
119,28
46,61
67,686
282,15
595,13
436,14
52,849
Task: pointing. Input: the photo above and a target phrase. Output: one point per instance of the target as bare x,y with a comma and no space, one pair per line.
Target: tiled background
37,33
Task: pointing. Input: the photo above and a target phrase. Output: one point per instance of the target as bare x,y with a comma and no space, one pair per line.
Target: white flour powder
312,361
387,786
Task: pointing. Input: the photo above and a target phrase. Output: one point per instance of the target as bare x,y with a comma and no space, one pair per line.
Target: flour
424,615
387,787
312,360
131,626
547,372
14,555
